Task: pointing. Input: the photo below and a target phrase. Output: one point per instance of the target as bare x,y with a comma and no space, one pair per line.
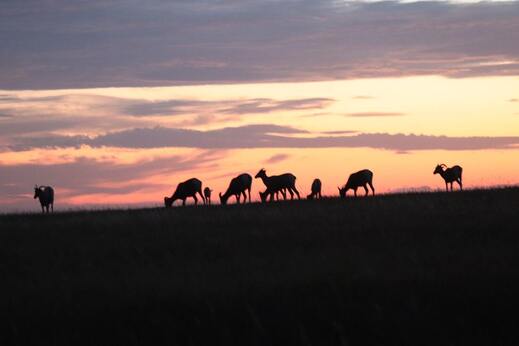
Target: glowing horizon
398,115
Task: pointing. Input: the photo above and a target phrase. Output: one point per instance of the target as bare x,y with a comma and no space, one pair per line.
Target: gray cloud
53,44
264,136
337,132
230,107
94,112
374,114
256,106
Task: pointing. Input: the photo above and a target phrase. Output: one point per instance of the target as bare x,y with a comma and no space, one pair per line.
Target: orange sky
115,172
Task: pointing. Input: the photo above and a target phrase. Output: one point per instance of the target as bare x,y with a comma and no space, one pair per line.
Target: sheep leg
249,194
184,202
355,191
196,199
460,184
297,192
372,188
366,190
446,186
291,193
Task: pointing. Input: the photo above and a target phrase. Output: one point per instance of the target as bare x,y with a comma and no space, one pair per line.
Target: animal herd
240,186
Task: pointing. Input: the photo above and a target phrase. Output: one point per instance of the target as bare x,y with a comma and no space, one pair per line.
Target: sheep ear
35,186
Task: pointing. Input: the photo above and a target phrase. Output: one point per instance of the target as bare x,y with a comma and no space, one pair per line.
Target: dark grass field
409,269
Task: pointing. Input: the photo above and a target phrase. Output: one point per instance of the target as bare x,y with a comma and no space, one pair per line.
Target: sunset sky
116,102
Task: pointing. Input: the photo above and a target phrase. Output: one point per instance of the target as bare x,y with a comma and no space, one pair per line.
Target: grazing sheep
316,190
238,186
188,188
361,178
276,183
207,195
46,196
275,194
450,175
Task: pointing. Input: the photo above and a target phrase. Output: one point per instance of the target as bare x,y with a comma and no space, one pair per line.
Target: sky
113,103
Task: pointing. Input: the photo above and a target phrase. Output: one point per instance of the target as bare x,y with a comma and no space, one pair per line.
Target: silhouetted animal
46,196
277,182
316,190
188,188
275,194
361,178
238,186
450,175
207,195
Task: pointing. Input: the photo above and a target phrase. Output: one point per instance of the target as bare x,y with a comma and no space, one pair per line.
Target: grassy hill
407,269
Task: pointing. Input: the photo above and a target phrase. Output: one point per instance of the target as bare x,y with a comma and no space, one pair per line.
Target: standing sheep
46,196
450,175
315,190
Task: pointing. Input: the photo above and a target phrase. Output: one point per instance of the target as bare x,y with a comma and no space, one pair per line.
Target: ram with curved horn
450,175
237,187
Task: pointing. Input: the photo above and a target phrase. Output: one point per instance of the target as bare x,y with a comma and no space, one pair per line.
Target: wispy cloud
229,107
374,114
337,132
89,113
513,100
363,97
277,158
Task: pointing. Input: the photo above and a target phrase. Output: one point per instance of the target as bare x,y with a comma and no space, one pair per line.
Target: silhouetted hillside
408,269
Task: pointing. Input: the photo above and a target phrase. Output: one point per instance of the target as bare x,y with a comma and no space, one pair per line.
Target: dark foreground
414,269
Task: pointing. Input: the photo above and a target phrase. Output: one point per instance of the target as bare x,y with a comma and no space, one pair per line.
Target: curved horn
443,165
35,186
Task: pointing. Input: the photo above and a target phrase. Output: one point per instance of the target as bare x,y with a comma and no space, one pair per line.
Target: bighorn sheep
450,175
361,178
316,190
275,194
207,195
238,186
276,183
188,188
46,196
